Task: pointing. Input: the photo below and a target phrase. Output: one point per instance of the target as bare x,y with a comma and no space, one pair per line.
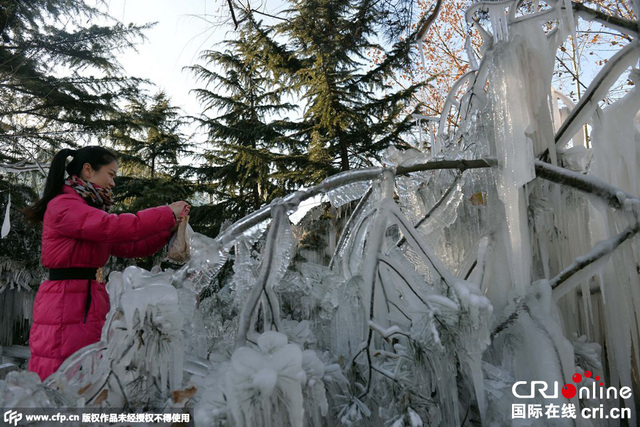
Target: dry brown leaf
102,396
181,395
83,389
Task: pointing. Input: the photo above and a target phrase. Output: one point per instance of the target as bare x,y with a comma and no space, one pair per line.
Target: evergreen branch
509,320
20,167
268,15
356,31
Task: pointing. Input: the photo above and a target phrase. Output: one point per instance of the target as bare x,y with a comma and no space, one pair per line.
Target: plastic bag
179,249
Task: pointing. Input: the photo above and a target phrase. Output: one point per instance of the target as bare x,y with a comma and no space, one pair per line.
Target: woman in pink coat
78,236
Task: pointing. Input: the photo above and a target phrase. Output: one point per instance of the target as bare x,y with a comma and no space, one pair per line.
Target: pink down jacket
75,234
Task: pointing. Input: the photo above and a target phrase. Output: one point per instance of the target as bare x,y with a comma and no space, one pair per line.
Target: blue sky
184,28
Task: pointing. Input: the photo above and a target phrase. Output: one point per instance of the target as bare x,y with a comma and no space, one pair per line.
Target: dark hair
94,155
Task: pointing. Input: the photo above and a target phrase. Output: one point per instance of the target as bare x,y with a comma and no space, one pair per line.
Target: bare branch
625,26
269,15
566,67
233,14
426,24
461,164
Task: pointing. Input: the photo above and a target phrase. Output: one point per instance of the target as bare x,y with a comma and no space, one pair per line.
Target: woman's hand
180,209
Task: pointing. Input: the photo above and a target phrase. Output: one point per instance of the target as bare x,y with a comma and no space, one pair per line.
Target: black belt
76,273
72,273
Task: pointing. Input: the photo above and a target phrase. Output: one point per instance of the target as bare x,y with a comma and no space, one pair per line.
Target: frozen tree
508,253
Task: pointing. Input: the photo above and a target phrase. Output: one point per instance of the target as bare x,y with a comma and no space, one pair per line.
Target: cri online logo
569,391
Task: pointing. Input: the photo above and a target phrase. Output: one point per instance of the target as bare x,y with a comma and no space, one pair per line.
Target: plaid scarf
96,196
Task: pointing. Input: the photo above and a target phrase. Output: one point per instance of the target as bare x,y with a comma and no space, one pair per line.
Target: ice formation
445,288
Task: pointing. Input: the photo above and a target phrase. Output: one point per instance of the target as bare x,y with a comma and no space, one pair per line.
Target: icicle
6,224
498,19
468,46
567,21
347,193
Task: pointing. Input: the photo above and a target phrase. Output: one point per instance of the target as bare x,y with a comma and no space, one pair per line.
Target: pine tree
251,155
352,110
150,144
60,78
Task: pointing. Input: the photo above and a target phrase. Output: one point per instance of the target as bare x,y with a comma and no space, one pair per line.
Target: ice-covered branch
592,185
387,332
587,183
376,240
293,200
451,99
509,320
597,90
434,207
350,222
398,270
482,6
421,247
625,26
269,267
601,249
21,167
371,264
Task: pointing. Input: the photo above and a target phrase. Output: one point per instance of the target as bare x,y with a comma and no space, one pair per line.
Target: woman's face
104,177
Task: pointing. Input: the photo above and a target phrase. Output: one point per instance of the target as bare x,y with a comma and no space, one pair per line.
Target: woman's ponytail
52,187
